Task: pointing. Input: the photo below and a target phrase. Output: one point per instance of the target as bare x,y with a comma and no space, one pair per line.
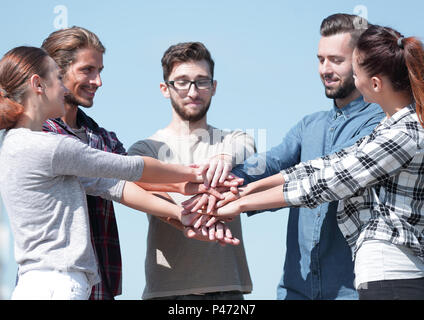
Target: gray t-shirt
46,200
176,265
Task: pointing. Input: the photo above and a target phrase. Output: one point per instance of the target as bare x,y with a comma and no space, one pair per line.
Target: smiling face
335,66
82,78
190,105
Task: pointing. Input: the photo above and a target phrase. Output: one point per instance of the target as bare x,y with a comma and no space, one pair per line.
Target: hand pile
219,187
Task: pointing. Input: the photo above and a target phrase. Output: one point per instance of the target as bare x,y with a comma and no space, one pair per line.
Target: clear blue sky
266,68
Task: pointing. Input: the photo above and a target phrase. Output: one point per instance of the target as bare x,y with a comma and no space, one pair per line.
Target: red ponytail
10,111
414,59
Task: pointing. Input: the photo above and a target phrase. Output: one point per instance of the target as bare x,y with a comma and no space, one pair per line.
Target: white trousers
52,285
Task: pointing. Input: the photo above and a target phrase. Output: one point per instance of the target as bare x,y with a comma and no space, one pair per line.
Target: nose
325,67
192,91
97,80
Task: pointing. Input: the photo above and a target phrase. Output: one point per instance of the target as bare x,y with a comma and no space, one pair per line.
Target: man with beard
177,267
79,55
318,262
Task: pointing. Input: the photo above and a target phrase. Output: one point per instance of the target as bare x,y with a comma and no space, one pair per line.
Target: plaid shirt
380,180
104,230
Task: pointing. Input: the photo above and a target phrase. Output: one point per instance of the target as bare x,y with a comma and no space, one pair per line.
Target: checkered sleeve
305,169
380,156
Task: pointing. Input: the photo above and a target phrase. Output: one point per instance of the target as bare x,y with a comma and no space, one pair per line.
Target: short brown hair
62,45
344,23
184,52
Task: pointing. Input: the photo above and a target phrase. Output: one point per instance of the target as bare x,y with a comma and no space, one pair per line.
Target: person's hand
219,232
208,199
191,188
230,210
229,196
218,171
204,202
188,219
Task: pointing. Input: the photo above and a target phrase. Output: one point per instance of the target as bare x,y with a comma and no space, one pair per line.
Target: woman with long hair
379,180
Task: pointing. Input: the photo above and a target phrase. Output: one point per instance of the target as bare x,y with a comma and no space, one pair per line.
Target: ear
377,83
215,83
164,89
36,85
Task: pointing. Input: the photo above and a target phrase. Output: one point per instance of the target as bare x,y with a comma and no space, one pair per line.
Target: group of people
353,176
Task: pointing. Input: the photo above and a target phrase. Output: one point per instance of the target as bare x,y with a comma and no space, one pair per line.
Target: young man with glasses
177,267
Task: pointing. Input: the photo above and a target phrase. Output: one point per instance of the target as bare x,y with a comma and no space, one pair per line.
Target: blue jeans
402,289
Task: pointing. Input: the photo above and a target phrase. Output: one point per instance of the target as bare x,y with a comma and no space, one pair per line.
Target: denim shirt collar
351,108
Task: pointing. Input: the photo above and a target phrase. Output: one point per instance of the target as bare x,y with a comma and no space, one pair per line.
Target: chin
86,103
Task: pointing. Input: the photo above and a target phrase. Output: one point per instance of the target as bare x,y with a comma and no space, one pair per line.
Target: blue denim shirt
318,262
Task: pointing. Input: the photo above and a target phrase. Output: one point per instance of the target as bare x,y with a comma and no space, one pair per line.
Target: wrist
242,205
195,176
181,188
245,190
177,213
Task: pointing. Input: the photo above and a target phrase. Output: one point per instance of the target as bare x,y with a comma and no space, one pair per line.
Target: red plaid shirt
104,230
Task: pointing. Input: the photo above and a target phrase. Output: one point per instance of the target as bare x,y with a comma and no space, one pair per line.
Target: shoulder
33,143
316,116
226,133
146,147
109,138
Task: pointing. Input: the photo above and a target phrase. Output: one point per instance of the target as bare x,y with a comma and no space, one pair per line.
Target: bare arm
262,200
139,199
156,171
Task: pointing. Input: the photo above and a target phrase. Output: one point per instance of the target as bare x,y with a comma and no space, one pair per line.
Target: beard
342,91
190,117
71,99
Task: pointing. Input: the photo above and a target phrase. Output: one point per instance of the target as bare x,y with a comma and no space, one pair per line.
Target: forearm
262,200
268,199
139,199
262,185
156,171
162,187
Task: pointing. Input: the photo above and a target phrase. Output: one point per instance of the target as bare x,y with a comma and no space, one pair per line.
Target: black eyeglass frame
171,82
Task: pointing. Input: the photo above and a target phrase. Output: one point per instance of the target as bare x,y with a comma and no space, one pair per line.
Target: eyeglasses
185,85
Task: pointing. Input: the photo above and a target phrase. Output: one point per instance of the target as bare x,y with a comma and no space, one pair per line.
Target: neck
394,101
340,103
70,117
182,127
32,118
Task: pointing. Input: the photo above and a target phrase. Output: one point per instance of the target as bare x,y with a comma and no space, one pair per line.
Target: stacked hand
219,188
